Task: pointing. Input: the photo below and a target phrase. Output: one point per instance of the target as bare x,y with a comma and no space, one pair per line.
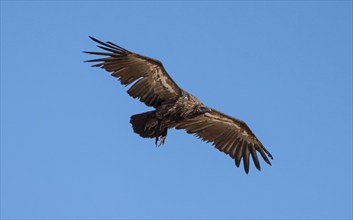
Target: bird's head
203,109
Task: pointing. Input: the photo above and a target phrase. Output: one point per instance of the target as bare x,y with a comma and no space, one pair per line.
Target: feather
254,157
109,44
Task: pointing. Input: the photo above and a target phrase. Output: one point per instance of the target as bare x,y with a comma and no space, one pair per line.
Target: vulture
176,108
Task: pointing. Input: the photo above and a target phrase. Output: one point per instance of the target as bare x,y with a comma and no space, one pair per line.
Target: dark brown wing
153,85
229,135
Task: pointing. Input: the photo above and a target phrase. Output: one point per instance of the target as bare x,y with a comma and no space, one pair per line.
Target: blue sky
68,150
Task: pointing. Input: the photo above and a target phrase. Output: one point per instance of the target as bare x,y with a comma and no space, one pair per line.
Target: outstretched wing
153,85
228,135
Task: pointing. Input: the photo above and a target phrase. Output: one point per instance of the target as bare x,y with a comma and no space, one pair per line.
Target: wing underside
228,135
152,84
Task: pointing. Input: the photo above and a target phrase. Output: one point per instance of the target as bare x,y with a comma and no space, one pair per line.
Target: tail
145,124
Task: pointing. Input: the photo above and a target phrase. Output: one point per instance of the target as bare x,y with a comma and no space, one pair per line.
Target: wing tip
237,163
109,45
94,39
258,167
270,155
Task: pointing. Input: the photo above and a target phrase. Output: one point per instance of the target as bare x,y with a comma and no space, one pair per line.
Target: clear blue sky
68,150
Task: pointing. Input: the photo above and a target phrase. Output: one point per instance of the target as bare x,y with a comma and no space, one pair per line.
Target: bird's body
176,108
167,115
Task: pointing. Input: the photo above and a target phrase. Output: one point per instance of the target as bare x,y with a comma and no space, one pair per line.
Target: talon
157,142
161,142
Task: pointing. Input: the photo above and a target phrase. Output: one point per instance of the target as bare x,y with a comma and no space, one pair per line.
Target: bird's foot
156,142
160,140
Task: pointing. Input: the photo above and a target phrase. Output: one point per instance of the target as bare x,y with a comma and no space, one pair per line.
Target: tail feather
145,124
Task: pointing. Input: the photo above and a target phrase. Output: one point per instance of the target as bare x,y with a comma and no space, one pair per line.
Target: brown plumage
176,108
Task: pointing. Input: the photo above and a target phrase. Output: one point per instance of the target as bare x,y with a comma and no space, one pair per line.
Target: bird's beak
204,109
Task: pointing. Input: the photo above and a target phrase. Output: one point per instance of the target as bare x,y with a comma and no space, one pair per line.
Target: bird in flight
176,108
